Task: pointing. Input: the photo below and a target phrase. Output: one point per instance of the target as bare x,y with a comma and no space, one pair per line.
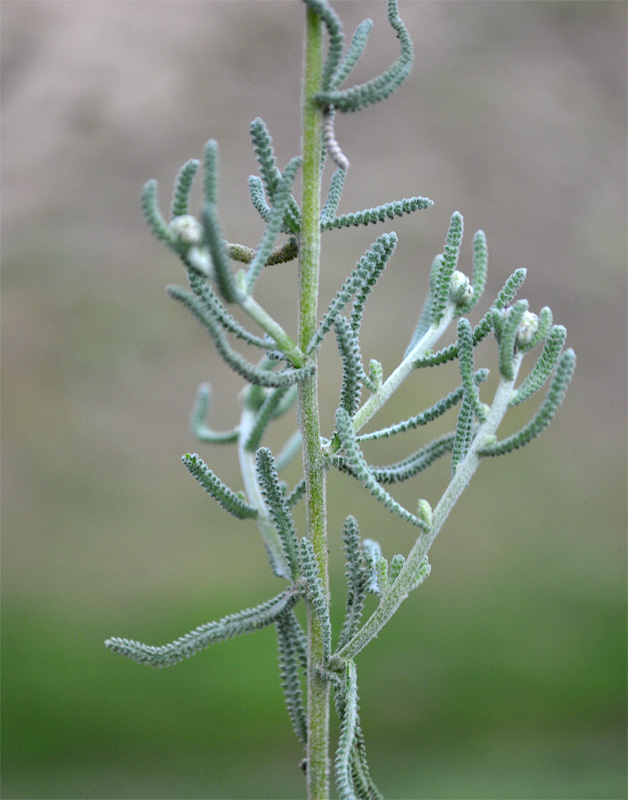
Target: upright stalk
314,471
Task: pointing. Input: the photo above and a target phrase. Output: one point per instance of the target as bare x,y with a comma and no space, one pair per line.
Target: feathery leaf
372,263
288,451
442,276
210,172
383,85
506,335
333,197
220,258
296,494
361,470
280,203
315,591
545,414
277,507
336,37
356,581
197,420
262,145
233,625
377,214
417,462
376,567
183,187
291,658
253,374
480,269
352,370
263,417
465,355
464,434
208,304
152,214
432,413
258,198
346,741
543,367
396,562
212,484
354,51
484,326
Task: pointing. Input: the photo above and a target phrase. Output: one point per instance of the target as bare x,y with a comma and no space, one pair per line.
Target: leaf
256,191
182,188
333,197
346,742
152,214
263,417
220,258
250,619
275,220
543,367
292,662
250,372
469,382
377,214
363,472
197,420
507,337
336,37
417,462
354,51
383,85
484,326
352,369
480,270
210,172
277,507
425,417
316,593
441,277
212,484
545,414
356,581
262,145
366,270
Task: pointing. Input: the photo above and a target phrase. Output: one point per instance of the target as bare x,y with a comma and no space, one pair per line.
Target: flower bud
460,289
187,229
527,328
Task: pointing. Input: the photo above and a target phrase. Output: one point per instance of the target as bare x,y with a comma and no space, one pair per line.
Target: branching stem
410,574
396,378
274,329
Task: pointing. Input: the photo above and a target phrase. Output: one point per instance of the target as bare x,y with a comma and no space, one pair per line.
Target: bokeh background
504,677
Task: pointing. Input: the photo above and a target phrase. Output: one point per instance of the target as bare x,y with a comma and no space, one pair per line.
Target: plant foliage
277,366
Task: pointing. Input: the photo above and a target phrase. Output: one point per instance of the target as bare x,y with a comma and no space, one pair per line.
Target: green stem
407,366
274,329
309,421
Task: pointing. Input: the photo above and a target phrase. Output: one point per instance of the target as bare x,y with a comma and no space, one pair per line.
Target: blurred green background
504,677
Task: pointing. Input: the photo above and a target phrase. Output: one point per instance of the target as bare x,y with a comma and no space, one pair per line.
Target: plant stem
407,366
407,578
313,466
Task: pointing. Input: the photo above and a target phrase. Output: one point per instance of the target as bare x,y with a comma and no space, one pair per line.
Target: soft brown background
505,678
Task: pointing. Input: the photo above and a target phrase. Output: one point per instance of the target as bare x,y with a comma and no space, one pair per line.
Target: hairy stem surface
309,265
